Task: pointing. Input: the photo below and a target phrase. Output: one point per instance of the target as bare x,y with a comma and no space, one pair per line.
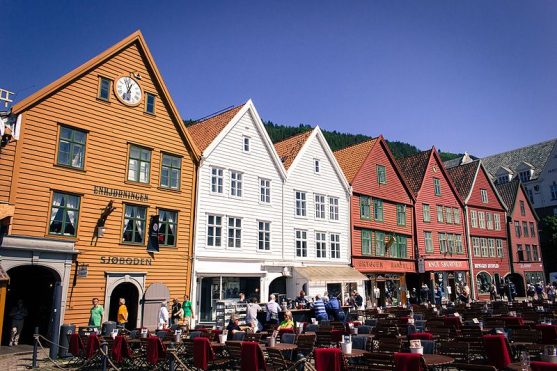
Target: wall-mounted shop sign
446,265
82,270
125,260
369,265
486,266
120,193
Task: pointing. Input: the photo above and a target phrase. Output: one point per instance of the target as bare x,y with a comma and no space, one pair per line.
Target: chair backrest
389,345
234,349
364,329
252,337
525,335
458,350
305,343
379,361
276,359
311,328
359,342
239,335
324,323
194,334
324,339
288,338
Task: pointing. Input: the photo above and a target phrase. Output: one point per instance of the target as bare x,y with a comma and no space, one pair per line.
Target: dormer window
524,176
483,193
246,144
316,166
504,179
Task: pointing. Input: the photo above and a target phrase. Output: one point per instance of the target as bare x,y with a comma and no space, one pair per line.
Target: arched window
483,280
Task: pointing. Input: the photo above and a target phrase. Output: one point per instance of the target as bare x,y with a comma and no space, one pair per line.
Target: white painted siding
258,163
302,177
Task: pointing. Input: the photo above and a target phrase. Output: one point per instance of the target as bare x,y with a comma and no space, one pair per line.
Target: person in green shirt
188,311
96,314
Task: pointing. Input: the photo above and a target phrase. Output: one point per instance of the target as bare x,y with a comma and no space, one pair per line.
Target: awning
325,273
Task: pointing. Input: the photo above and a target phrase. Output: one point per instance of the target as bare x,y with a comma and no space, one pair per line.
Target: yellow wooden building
97,174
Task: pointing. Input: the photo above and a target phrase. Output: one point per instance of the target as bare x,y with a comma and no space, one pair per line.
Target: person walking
122,318
272,310
17,315
163,316
96,314
177,312
188,311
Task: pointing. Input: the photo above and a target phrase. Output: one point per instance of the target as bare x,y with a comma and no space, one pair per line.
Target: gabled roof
508,192
289,148
352,158
463,177
414,168
536,154
206,130
71,76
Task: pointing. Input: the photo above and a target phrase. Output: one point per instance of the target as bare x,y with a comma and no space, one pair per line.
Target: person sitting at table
233,326
334,309
288,322
319,309
302,301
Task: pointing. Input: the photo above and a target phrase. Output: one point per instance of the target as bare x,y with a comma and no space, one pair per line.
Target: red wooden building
522,228
439,226
485,215
381,219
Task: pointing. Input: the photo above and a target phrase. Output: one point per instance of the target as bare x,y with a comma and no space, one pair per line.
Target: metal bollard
105,355
35,348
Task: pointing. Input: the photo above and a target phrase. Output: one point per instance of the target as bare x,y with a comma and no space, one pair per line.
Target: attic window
316,165
104,88
504,179
483,193
525,175
246,141
150,103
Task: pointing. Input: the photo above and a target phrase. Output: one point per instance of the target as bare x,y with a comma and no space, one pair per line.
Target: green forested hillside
338,140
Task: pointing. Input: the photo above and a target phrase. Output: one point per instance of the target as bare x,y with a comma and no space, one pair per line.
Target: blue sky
477,76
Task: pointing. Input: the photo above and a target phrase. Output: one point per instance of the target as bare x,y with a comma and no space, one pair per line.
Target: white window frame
320,206
483,245
215,227
236,232
335,245
499,247
483,194
491,247
316,166
263,235
217,180
246,141
320,245
300,203
301,236
448,215
497,221
426,211
440,216
264,191
333,208
456,215
481,219
458,244
474,218
428,241
236,183
489,220
442,242
476,246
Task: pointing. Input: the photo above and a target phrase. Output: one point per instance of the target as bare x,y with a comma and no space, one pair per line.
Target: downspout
193,275
469,249
509,244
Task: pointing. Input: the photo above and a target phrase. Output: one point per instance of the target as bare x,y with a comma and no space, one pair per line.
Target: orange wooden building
102,176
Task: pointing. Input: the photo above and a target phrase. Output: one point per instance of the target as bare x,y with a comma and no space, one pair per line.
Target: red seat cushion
328,359
408,361
497,351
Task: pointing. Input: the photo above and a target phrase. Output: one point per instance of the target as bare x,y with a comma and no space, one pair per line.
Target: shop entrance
518,284
278,286
34,285
129,292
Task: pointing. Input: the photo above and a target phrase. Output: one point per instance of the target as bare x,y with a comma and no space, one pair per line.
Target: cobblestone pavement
23,361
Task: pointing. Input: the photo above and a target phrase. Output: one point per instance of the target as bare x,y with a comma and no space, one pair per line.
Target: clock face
128,91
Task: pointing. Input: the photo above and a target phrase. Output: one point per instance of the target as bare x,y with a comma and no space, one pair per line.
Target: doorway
129,292
278,286
34,285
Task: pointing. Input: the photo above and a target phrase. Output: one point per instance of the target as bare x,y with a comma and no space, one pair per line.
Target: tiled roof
413,168
206,130
460,160
536,154
288,149
352,158
508,192
463,177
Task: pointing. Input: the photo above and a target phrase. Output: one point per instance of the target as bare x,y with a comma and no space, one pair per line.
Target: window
450,243
335,246
426,212
483,281
489,220
366,242
320,245
503,179
316,166
491,244
365,206
149,103
534,277
522,208
216,180
525,229
476,246
246,144
234,232
532,229
517,230
333,208
553,189
167,227
483,243
214,229
449,215
535,255
265,191
170,171
139,165
401,214
301,243
483,193
528,253
437,186
399,247
236,184
520,253
264,235
439,214
381,174
71,147
531,194
497,220
456,215
64,214
379,244
300,203
442,242
319,207
524,176
428,242
499,245
458,244
481,219
104,88
134,224
474,218
378,209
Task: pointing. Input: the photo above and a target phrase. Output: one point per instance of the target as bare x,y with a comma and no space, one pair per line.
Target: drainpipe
469,249
193,280
509,244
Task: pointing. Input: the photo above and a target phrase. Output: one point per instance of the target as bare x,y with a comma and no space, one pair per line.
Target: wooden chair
306,343
525,335
459,351
252,337
323,339
388,345
471,332
375,362
472,367
277,360
234,349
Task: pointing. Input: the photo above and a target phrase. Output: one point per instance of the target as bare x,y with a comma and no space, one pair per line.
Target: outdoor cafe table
435,360
283,347
355,353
